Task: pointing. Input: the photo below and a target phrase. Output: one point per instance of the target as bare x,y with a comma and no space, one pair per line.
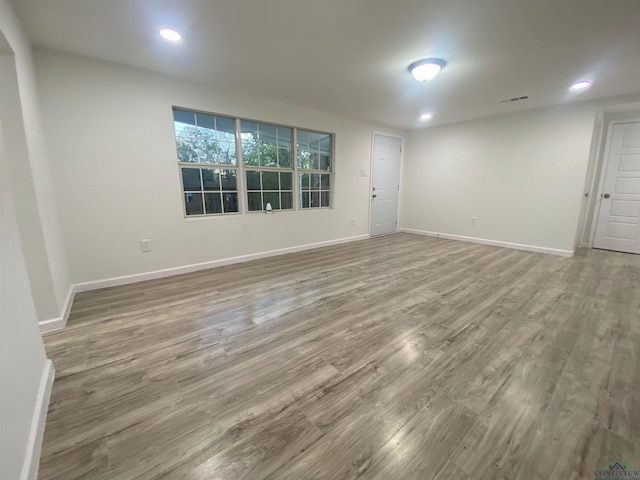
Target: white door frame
373,138
589,199
603,174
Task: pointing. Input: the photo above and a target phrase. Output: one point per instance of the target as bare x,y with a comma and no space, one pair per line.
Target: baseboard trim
61,321
34,442
495,243
167,272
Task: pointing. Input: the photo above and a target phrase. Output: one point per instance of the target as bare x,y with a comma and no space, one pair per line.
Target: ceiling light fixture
582,85
426,116
426,69
171,35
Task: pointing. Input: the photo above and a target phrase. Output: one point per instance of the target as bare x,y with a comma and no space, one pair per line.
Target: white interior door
618,224
385,184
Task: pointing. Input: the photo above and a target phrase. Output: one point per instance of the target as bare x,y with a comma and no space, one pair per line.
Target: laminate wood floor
402,357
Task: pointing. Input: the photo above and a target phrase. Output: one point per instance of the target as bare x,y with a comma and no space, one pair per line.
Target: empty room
320,239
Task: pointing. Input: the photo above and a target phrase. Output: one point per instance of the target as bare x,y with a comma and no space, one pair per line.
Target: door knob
606,195
374,195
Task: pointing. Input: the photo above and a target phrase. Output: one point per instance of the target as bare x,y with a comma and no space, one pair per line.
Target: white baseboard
495,243
61,321
34,442
167,272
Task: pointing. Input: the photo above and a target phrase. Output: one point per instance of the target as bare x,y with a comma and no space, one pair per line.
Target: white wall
110,135
36,208
22,357
521,175
33,272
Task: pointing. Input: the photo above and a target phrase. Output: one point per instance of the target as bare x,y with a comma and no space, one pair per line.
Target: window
204,140
314,169
209,191
272,169
266,156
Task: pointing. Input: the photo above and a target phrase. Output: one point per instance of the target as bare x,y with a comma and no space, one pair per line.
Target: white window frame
258,168
207,166
240,169
329,172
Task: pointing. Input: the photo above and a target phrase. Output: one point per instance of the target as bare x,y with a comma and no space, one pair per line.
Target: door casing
602,170
373,137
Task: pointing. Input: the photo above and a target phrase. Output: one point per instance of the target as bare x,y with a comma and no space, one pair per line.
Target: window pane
254,201
315,199
191,179
253,180
229,180
315,181
267,133
226,153
210,179
207,149
325,162
205,121
273,198
325,182
193,203
230,201
226,129
304,197
268,155
205,138
187,150
250,153
285,180
212,203
319,142
199,141
286,200
270,181
315,161
284,137
249,130
284,158
325,144
305,159
304,181
182,118
324,199
314,150
303,140
249,139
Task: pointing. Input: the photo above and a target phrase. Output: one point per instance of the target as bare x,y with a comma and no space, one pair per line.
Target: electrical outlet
353,221
473,220
145,245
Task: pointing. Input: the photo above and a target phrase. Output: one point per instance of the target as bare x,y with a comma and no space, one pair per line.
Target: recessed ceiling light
426,69
426,116
169,34
582,85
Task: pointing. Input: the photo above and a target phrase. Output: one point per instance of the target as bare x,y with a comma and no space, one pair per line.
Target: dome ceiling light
426,69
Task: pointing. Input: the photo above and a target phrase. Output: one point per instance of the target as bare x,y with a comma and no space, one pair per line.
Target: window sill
212,215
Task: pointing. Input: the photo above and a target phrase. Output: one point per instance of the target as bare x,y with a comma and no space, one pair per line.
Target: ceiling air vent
515,99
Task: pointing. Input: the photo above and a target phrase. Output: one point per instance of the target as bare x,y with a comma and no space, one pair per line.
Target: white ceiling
350,57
